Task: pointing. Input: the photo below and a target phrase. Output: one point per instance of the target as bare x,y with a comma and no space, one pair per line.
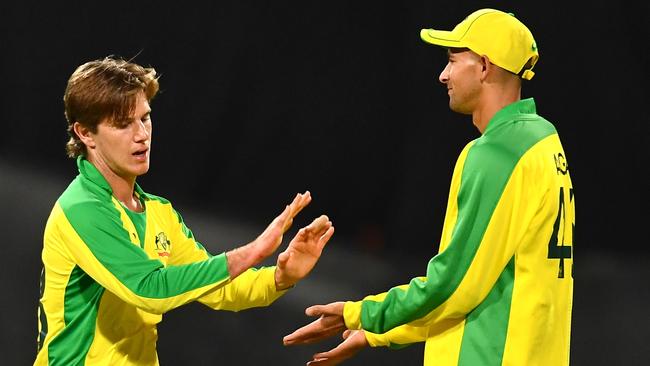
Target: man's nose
141,133
444,75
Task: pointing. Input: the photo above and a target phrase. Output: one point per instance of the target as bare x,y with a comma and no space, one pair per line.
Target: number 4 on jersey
558,248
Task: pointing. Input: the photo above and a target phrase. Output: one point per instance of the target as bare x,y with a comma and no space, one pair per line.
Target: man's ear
486,67
84,134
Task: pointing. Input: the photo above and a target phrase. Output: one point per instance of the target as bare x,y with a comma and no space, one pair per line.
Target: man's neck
490,105
122,187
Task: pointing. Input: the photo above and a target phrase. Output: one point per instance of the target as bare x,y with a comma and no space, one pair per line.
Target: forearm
243,258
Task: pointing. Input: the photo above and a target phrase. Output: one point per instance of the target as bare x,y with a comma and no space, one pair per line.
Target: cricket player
500,289
115,258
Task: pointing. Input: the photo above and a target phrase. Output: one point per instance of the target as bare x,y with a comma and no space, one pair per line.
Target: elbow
156,306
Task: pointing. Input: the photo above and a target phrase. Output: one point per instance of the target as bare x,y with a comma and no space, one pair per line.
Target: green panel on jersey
82,297
486,172
490,317
100,227
139,220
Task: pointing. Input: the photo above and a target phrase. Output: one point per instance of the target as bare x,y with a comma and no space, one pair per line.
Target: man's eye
120,125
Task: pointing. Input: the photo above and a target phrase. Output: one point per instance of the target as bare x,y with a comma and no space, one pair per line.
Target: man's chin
141,170
458,108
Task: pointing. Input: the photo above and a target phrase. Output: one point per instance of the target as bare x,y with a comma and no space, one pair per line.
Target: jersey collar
90,172
524,106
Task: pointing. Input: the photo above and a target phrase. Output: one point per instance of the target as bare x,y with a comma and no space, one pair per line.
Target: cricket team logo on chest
163,245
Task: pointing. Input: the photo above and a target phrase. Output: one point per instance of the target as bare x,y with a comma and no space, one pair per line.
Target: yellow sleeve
398,337
253,288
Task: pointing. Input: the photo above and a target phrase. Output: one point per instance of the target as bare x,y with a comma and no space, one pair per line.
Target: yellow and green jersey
109,274
500,290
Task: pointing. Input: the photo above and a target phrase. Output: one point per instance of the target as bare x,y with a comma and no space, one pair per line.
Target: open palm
300,257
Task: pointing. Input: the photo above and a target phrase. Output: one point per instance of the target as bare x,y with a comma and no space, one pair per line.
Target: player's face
125,148
462,78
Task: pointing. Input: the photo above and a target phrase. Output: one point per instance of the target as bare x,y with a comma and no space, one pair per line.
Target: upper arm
102,248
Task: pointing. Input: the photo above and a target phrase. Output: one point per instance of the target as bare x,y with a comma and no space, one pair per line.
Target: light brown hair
104,89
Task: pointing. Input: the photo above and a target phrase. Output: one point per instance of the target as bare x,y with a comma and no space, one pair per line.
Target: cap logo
534,46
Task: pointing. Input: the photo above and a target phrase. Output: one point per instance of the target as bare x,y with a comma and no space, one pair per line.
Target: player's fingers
284,215
335,353
318,226
333,308
332,357
302,234
324,355
288,222
310,333
296,201
300,202
325,238
319,221
320,362
323,226
280,221
302,338
300,335
293,208
306,199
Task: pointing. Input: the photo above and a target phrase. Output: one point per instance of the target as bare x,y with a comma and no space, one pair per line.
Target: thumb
346,334
315,310
329,309
283,258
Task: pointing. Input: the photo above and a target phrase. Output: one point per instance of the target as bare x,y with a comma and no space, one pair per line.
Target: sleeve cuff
376,340
352,314
267,276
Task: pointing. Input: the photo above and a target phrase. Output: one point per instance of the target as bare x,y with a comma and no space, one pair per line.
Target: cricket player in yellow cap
499,291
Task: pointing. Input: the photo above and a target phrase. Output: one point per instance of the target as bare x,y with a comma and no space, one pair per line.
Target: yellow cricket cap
500,36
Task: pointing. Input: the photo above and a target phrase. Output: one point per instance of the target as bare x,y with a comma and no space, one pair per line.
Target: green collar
524,106
90,172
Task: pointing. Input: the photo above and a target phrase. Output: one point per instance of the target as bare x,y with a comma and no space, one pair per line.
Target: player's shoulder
82,194
159,204
160,199
154,198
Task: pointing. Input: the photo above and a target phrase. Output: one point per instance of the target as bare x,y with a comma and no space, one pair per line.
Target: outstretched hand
300,257
267,243
329,323
353,342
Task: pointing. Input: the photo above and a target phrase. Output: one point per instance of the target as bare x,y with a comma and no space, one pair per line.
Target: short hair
101,89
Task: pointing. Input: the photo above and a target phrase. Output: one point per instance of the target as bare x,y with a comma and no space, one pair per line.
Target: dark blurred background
263,99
